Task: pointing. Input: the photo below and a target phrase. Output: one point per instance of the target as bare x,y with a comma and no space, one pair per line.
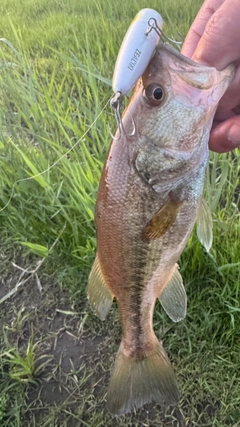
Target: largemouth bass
148,201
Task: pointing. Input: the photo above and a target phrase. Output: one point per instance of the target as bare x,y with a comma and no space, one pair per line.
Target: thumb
219,44
225,136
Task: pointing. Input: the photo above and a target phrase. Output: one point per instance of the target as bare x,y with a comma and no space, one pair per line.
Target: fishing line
59,159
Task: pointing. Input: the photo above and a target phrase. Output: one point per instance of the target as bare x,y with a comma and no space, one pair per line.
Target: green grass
56,62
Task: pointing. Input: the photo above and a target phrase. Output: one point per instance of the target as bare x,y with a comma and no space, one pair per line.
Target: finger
219,45
225,136
198,26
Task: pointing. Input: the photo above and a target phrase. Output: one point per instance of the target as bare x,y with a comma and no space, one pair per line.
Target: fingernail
234,135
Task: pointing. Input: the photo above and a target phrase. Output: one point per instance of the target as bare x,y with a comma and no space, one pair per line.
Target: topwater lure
136,51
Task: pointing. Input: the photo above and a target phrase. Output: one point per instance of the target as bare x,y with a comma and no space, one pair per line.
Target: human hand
214,39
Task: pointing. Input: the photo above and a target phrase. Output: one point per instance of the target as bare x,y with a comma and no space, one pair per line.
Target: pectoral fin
204,225
173,297
100,298
162,221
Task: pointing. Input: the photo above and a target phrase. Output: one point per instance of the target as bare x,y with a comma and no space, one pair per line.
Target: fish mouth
189,61
179,55
196,74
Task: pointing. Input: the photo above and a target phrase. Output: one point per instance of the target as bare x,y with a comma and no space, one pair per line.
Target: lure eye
154,94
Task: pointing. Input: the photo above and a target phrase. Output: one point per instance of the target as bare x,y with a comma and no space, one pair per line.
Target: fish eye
158,93
154,94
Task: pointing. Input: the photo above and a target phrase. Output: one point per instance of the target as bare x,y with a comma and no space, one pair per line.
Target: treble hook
115,104
152,25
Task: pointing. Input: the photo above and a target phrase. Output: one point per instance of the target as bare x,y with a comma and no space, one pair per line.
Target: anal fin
100,298
174,298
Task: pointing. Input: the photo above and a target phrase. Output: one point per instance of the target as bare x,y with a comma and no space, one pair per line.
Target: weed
26,367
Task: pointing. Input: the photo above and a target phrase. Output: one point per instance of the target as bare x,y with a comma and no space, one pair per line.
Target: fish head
175,100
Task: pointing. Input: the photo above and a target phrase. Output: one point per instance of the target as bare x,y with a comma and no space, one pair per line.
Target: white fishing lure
136,50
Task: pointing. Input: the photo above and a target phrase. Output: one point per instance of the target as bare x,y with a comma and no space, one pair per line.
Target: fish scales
133,260
148,200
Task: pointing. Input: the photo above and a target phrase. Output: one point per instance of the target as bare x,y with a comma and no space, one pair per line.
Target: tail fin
136,382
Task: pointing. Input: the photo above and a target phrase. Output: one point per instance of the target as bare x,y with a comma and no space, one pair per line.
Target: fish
149,198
